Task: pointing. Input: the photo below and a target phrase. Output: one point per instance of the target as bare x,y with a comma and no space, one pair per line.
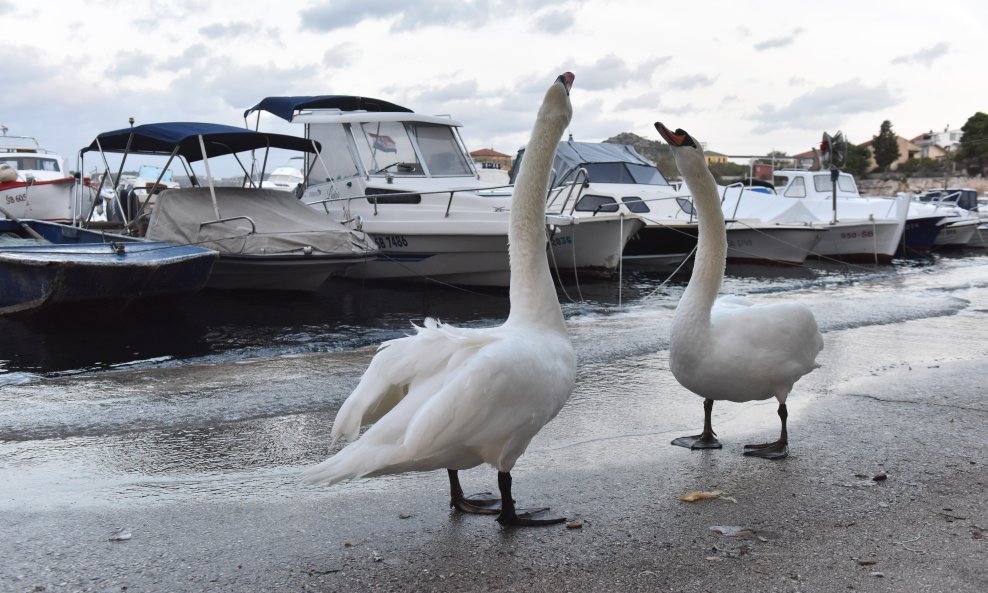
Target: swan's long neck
532,292
711,251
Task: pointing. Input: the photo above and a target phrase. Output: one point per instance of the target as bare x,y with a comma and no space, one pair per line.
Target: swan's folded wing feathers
483,403
397,363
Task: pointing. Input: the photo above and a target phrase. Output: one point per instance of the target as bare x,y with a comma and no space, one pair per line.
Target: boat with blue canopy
266,239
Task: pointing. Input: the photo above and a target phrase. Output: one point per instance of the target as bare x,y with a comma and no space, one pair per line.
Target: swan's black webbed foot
706,439
777,450
484,503
509,517
698,441
478,504
531,518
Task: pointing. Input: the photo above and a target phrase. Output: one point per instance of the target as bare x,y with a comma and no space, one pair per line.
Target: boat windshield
390,147
845,183
152,172
624,173
31,163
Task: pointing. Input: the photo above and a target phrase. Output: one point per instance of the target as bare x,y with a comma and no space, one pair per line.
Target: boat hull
51,200
865,242
660,246
591,244
979,239
110,270
781,245
296,273
476,260
918,236
956,235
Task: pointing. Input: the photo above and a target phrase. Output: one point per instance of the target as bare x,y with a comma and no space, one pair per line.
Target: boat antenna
130,120
3,129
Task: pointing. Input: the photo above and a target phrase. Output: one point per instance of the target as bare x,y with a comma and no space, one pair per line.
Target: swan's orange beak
677,138
668,135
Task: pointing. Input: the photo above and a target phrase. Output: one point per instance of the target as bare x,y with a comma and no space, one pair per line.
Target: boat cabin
798,183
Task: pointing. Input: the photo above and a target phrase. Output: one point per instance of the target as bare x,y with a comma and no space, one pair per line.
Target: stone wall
889,187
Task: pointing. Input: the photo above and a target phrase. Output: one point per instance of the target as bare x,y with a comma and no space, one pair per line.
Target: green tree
885,146
973,153
728,172
857,159
921,167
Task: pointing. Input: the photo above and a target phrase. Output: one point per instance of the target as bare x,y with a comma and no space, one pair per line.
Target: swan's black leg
508,515
484,503
777,450
706,439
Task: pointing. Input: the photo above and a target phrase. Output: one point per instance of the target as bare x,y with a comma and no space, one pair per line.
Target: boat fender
7,173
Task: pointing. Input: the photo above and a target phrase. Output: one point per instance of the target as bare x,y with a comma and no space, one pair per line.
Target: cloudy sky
745,77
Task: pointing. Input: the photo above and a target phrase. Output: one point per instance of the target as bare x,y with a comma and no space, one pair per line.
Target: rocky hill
650,149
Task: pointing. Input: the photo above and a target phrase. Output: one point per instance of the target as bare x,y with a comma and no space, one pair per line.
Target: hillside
650,149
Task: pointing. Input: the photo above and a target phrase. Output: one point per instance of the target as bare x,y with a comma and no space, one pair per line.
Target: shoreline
816,521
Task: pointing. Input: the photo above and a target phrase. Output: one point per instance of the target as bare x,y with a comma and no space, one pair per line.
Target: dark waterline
343,315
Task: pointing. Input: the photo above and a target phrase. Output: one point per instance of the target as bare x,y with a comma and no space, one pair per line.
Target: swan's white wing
397,363
486,406
497,400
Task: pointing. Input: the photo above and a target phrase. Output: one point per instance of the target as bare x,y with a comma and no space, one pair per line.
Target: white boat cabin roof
335,116
801,183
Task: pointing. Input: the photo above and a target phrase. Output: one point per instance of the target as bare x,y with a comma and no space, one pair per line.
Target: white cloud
749,88
822,107
778,42
925,56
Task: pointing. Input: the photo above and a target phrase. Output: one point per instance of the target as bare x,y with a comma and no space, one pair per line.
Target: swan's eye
687,140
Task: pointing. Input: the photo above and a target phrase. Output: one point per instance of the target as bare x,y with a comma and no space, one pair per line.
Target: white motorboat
959,206
408,181
615,182
285,178
266,239
864,229
35,184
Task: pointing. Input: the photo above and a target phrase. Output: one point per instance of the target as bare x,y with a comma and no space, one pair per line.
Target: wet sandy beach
903,399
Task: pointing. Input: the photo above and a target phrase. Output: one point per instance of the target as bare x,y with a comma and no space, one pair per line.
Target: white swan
731,349
454,398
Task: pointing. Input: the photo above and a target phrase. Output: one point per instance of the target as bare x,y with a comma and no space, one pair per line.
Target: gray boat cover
571,155
282,225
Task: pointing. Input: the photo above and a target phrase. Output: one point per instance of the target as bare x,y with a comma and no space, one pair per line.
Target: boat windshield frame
24,161
624,173
409,149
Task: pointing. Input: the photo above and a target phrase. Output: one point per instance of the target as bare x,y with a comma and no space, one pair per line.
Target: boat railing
580,179
737,203
374,199
949,200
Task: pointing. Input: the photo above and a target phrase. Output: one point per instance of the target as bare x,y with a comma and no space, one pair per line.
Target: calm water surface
216,326
218,398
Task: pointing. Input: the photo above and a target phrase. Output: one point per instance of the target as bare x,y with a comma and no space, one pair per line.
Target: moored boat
860,229
266,239
46,265
35,184
407,180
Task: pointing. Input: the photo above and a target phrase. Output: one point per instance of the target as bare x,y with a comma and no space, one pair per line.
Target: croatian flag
383,143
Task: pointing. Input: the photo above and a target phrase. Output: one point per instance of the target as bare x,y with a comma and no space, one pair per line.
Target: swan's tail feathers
344,465
364,460
326,472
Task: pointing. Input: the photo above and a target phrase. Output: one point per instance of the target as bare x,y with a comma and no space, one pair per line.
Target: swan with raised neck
532,291
728,348
453,398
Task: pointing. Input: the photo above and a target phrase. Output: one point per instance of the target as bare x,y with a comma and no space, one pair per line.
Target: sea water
230,394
